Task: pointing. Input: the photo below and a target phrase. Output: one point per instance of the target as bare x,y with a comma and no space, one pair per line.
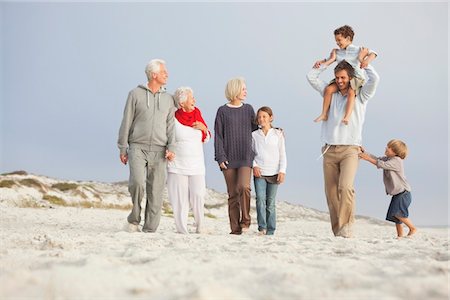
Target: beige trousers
340,164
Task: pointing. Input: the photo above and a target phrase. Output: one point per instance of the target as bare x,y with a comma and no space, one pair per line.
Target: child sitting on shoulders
358,57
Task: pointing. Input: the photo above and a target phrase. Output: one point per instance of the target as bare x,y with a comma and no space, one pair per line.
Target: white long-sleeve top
188,149
270,151
334,132
350,54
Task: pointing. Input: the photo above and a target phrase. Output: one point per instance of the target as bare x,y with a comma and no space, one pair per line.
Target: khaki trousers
238,187
340,164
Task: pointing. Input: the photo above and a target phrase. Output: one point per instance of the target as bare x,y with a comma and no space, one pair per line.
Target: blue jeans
265,204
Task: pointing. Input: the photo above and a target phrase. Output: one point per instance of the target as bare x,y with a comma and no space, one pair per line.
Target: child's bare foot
345,121
412,231
322,117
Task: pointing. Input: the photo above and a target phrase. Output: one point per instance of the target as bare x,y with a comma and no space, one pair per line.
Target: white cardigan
189,158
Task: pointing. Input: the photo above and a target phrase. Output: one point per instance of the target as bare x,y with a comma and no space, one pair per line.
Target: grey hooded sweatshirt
148,121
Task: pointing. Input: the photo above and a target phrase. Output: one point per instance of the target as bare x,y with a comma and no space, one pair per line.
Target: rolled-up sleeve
314,80
368,90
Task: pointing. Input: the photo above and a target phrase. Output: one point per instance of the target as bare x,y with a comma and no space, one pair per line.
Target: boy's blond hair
399,148
234,88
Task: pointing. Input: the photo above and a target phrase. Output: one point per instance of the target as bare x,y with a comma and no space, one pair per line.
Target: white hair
153,66
181,94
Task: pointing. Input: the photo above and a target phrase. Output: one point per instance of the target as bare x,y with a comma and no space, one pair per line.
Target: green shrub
210,215
30,182
7,184
167,209
65,186
16,173
55,200
217,205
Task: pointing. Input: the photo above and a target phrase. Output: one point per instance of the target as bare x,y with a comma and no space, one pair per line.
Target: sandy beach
75,252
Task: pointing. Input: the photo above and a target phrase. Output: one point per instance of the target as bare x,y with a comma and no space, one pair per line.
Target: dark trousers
238,187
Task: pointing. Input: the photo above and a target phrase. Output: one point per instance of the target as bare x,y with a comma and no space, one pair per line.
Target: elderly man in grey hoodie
146,139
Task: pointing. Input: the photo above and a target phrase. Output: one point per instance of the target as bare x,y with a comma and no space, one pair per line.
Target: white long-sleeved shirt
188,149
334,132
350,54
270,151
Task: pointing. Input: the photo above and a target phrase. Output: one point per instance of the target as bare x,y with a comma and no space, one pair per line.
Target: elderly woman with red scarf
186,173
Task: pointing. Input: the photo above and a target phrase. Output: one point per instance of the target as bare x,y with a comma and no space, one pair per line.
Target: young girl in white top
269,168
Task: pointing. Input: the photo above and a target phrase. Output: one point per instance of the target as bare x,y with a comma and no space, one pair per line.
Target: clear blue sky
66,70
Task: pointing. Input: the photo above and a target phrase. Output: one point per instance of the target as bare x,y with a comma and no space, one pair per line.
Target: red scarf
188,119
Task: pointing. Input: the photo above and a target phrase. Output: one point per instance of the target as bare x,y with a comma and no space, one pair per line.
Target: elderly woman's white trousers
186,191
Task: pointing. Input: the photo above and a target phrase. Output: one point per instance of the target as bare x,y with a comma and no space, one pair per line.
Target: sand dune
71,252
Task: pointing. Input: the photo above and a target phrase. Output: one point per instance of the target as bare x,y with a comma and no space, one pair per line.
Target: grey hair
181,94
153,66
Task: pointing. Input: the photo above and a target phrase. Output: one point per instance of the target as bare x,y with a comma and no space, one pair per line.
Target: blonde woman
233,127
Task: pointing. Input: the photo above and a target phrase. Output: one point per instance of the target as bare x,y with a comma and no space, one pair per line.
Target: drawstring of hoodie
159,97
158,93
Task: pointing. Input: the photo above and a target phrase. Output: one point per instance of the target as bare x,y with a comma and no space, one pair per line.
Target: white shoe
131,227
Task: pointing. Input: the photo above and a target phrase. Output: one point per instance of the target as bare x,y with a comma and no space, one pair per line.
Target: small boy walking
395,184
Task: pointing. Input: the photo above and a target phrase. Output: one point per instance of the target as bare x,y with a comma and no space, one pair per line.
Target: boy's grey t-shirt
393,174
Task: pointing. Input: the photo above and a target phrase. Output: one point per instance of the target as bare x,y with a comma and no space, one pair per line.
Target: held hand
280,177
363,64
317,64
170,155
256,172
124,158
199,125
223,165
363,52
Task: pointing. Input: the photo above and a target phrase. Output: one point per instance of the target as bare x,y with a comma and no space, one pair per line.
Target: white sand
82,253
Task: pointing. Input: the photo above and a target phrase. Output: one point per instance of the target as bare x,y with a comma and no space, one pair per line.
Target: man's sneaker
131,227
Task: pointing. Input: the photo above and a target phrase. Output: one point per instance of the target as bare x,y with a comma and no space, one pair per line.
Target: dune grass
55,200
7,183
16,173
65,186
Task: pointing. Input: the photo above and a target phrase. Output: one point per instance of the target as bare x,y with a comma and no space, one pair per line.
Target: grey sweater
233,135
393,174
148,121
